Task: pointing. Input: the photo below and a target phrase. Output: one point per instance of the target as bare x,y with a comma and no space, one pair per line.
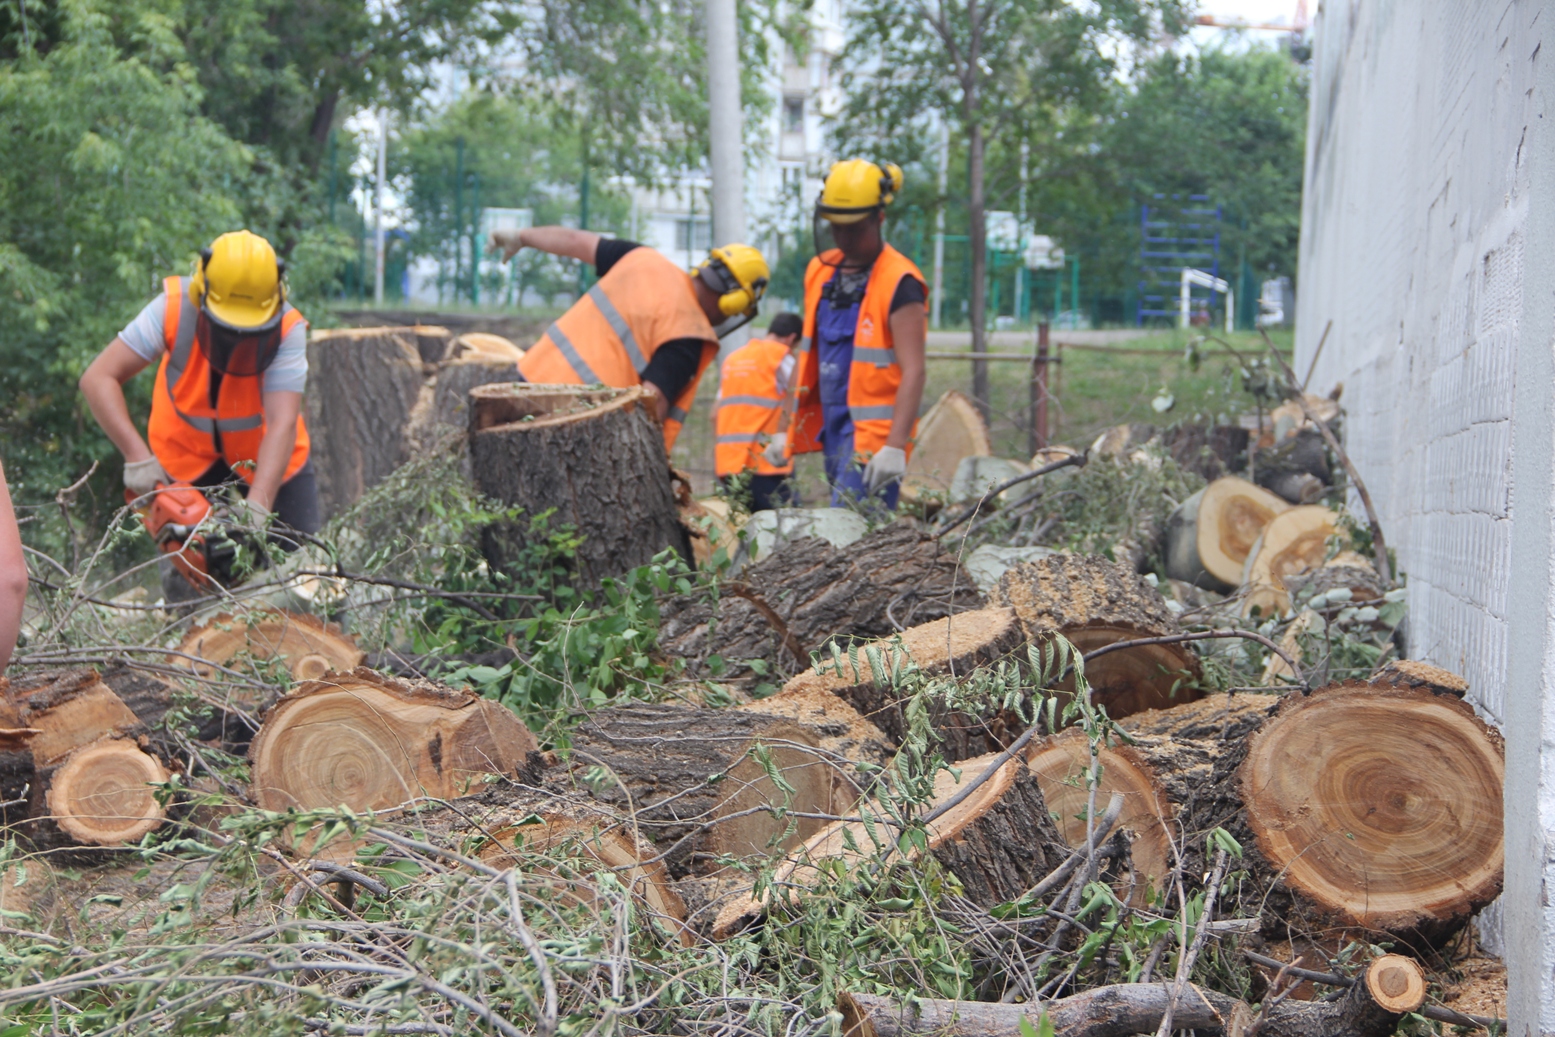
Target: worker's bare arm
13,575
568,242
275,449
909,333
102,383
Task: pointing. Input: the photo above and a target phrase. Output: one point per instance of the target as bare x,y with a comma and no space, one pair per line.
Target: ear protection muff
734,298
890,182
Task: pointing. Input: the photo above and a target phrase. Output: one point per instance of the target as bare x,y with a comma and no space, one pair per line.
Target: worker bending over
861,362
227,406
645,322
753,386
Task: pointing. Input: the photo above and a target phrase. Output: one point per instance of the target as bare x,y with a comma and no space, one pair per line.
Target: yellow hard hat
855,188
238,280
739,275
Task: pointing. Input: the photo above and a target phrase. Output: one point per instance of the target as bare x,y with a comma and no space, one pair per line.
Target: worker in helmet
645,322
227,405
753,385
861,362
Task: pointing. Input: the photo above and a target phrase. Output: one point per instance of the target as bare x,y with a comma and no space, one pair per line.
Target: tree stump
999,842
1293,542
692,781
369,742
1211,533
955,645
1359,807
1094,603
364,385
952,429
891,579
432,342
592,458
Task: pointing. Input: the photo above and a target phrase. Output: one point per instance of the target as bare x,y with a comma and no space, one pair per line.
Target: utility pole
383,162
937,297
724,116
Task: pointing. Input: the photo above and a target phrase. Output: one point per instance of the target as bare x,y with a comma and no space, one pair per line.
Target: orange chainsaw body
173,514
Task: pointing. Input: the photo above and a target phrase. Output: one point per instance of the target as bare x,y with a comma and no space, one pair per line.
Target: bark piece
952,429
363,386
1393,986
1209,536
1293,542
1411,673
593,458
369,742
693,782
101,794
955,645
999,842
1060,764
893,578
1094,603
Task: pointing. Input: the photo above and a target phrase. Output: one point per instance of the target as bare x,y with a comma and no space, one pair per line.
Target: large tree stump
369,742
592,458
364,385
1359,807
692,781
999,842
1391,987
1093,603
953,646
889,580
1210,534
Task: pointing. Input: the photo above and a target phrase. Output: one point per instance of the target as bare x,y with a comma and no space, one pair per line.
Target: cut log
894,578
1122,440
1359,807
840,731
999,842
1094,603
952,429
486,346
1060,764
432,342
1293,542
363,386
369,742
1393,986
1411,673
1296,468
1048,454
692,781
1212,452
1345,571
711,525
102,794
593,458
953,646
305,645
1209,536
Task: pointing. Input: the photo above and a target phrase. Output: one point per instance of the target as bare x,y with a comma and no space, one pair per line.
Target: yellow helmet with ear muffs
239,280
855,188
739,275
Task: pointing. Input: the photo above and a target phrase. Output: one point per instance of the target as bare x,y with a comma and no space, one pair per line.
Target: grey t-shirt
289,373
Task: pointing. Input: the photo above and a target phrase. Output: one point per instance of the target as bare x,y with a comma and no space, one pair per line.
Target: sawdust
1475,986
839,728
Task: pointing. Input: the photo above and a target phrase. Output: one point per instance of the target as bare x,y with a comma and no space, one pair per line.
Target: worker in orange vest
861,362
227,405
645,321
753,385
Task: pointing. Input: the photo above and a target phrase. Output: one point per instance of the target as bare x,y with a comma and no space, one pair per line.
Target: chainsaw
179,518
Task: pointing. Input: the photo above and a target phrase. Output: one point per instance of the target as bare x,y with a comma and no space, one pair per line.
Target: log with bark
893,578
1361,808
1391,987
842,732
952,429
1294,542
305,646
1093,603
1297,469
364,385
952,647
593,459
999,841
1411,673
1210,534
697,781
369,742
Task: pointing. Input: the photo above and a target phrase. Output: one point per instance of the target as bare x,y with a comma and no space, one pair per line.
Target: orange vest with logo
610,334
186,432
874,375
749,409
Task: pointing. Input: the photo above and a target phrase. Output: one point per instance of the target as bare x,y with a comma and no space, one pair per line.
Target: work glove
888,464
250,515
141,477
507,242
777,450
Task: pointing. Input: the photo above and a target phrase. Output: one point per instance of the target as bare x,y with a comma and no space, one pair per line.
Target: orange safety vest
749,409
610,334
874,375
187,434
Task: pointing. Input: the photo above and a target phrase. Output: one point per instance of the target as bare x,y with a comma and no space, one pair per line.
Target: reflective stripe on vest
741,437
183,344
754,401
879,357
569,352
873,413
676,414
620,327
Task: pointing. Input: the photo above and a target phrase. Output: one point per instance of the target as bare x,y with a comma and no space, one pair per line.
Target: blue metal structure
1173,236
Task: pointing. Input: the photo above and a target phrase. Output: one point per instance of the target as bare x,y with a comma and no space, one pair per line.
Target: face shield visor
237,352
848,240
